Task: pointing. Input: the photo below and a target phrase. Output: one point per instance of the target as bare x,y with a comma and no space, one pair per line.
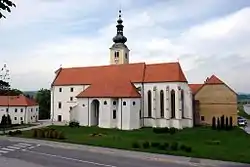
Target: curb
190,161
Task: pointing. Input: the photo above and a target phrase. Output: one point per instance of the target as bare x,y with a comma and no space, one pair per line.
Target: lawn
233,145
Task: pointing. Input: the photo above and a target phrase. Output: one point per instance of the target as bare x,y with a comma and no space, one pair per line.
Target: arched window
162,103
172,104
149,104
182,103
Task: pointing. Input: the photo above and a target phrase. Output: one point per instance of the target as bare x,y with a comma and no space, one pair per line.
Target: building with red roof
212,100
122,95
20,108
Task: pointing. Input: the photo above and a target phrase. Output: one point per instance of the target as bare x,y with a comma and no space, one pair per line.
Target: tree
4,120
43,99
4,87
5,5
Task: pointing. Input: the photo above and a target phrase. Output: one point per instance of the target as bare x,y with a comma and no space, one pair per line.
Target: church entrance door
95,106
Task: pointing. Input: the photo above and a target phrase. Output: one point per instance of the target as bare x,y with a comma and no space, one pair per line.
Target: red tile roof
111,88
16,101
195,87
213,80
136,73
209,81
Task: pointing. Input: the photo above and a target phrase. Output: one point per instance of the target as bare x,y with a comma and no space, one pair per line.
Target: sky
207,37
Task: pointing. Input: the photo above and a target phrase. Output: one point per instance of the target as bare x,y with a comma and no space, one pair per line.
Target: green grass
234,145
242,112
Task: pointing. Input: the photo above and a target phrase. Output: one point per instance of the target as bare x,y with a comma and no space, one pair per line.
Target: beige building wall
216,100
123,55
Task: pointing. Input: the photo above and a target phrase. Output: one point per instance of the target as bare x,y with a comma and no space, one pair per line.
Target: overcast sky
207,37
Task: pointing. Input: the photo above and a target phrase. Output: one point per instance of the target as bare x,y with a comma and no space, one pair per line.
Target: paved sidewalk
134,154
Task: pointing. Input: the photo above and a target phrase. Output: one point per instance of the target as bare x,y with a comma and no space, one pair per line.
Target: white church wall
64,97
156,120
134,115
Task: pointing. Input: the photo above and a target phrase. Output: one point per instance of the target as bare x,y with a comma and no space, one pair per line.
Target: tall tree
5,5
43,99
4,87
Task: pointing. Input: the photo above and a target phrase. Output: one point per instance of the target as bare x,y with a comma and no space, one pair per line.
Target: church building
122,95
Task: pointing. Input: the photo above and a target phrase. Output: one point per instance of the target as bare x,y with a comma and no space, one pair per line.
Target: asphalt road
22,154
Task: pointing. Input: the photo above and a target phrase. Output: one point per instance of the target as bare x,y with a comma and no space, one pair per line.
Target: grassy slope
242,112
234,145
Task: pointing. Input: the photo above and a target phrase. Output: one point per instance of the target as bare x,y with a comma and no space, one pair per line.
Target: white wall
156,120
64,98
106,111
18,114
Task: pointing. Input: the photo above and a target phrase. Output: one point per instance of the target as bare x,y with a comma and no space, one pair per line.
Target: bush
11,133
227,126
161,147
34,135
183,147
135,145
172,131
145,144
222,122
18,132
174,146
166,145
188,149
161,130
230,123
218,124
61,135
155,144
214,123
73,124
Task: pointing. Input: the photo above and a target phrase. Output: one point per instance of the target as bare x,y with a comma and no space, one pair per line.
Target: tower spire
119,38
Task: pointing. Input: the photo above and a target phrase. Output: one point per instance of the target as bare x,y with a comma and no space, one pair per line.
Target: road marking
18,145
1,151
72,159
25,144
31,147
7,149
12,147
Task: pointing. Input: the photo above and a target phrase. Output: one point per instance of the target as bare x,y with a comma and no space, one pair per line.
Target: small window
126,55
21,110
31,117
15,118
116,54
7,110
31,109
105,103
60,89
71,89
133,103
21,118
15,109
114,114
114,103
70,108
202,118
71,98
59,105
124,103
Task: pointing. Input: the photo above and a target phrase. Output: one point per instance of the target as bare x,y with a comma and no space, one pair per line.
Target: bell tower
119,52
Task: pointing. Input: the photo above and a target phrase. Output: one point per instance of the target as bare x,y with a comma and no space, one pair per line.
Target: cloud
204,36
